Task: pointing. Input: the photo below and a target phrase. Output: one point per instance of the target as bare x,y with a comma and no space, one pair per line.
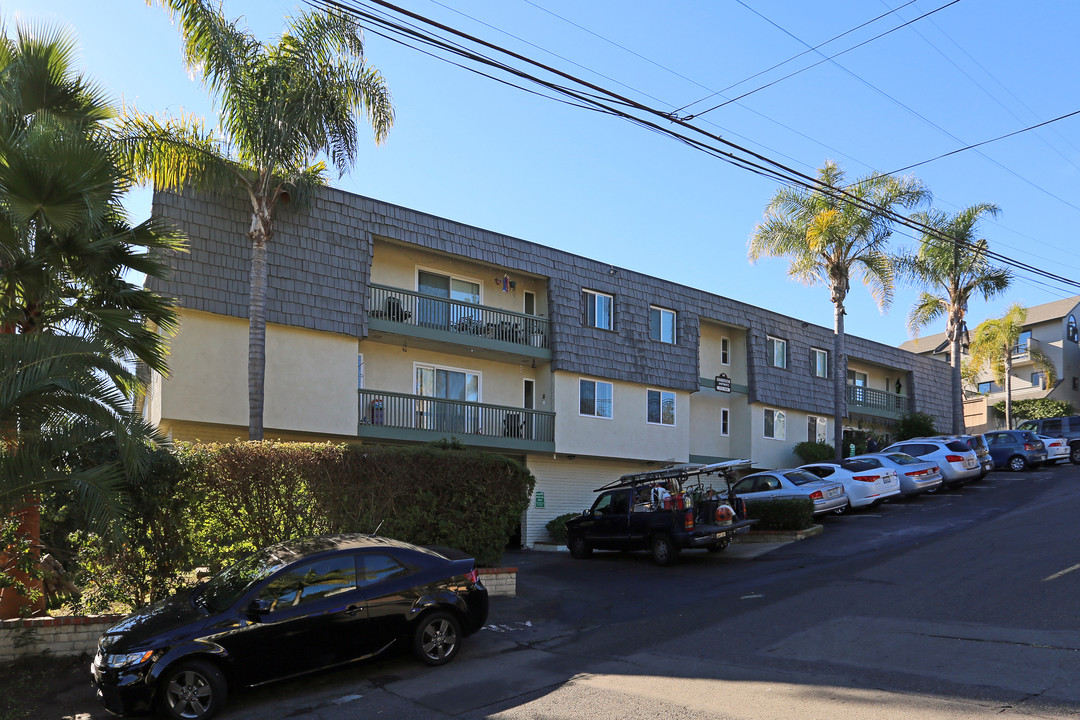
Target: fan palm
993,346
283,106
957,269
830,238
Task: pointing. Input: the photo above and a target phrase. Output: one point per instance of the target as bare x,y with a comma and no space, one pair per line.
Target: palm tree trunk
958,427
1008,388
257,330
839,381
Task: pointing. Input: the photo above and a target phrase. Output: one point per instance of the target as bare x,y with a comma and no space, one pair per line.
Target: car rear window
801,477
856,465
1030,437
958,446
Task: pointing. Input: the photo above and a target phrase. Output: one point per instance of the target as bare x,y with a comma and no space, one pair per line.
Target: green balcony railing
870,399
453,316
380,409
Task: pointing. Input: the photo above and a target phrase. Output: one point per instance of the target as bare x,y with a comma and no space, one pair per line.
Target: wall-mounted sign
539,499
723,383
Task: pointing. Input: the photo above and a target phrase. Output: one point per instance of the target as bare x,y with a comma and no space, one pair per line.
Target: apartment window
989,387
819,362
529,302
594,398
598,308
725,351
660,407
777,352
725,420
1022,343
775,424
1071,333
360,371
662,325
856,378
1038,379
816,429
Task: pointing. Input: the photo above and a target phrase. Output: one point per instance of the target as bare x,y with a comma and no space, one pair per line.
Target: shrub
915,424
556,527
810,452
1037,408
782,514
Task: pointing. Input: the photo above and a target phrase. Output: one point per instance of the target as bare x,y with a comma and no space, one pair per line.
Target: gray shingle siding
320,268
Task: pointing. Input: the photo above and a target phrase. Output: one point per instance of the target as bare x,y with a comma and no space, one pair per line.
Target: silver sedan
916,476
792,483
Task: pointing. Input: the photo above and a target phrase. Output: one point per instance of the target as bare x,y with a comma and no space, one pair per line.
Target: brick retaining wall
76,635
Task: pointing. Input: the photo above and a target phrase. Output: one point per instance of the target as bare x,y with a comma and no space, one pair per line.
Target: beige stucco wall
709,352
771,453
626,434
396,266
387,367
306,372
880,378
705,437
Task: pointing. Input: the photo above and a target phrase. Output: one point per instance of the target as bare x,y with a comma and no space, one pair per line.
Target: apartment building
390,325
1052,329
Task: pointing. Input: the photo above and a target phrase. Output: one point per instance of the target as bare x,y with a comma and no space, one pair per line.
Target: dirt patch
43,687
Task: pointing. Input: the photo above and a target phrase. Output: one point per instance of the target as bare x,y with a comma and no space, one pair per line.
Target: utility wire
749,159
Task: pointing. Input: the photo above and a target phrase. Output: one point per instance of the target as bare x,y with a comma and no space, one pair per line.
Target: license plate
834,492
970,463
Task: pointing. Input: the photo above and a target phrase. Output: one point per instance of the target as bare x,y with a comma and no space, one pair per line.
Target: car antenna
378,526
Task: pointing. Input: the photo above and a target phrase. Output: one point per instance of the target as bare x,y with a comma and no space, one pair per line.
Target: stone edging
760,536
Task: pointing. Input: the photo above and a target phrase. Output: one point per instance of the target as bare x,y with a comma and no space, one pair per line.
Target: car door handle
353,609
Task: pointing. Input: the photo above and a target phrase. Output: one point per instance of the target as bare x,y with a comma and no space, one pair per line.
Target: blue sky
469,149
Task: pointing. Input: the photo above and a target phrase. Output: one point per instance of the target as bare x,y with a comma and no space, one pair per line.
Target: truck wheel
578,547
663,550
1074,453
1017,463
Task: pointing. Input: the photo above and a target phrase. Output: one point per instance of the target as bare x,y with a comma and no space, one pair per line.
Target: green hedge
556,527
782,514
211,504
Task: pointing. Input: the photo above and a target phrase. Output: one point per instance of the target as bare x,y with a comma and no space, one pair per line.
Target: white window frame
674,324
725,422
821,428
725,351
439,271
674,407
596,383
815,353
591,296
467,371
779,418
771,345
360,371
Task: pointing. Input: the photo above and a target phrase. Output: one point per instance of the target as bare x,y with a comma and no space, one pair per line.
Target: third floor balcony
456,326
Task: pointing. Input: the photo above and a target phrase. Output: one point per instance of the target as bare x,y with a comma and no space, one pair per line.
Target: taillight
688,523
816,495
917,473
865,478
1029,447
953,458
473,576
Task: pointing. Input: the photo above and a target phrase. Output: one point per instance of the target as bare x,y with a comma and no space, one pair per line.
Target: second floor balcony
877,402
419,418
406,312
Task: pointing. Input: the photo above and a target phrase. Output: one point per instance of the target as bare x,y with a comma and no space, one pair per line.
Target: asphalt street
958,605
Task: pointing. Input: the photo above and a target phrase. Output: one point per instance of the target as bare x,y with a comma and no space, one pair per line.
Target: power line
589,94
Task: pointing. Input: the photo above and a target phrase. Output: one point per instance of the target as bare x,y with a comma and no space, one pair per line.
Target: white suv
958,462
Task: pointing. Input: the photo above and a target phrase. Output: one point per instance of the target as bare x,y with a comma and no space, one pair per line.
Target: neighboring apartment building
1053,329
389,325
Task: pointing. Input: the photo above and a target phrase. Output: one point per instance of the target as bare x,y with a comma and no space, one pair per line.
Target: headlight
117,662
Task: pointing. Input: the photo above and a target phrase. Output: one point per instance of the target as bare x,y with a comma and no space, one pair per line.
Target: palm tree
829,238
995,343
282,106
956,268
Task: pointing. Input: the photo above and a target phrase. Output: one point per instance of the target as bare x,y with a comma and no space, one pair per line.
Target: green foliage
810,452
1037,408
916,424
556,527
782,514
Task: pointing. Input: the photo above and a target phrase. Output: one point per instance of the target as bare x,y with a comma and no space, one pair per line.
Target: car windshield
1026,426
856,465
225,588
903,459
801,477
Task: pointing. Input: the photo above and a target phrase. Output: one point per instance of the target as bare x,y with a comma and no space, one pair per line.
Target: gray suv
1066,427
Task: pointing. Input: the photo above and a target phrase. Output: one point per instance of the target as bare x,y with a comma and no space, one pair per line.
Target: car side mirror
259,607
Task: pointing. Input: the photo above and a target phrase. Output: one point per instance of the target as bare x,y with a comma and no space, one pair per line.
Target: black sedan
288,609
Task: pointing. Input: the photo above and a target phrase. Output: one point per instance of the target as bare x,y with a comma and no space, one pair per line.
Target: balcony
1021,352
397,416
877,402
470,327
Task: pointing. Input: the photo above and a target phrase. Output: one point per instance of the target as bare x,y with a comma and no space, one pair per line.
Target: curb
771,536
